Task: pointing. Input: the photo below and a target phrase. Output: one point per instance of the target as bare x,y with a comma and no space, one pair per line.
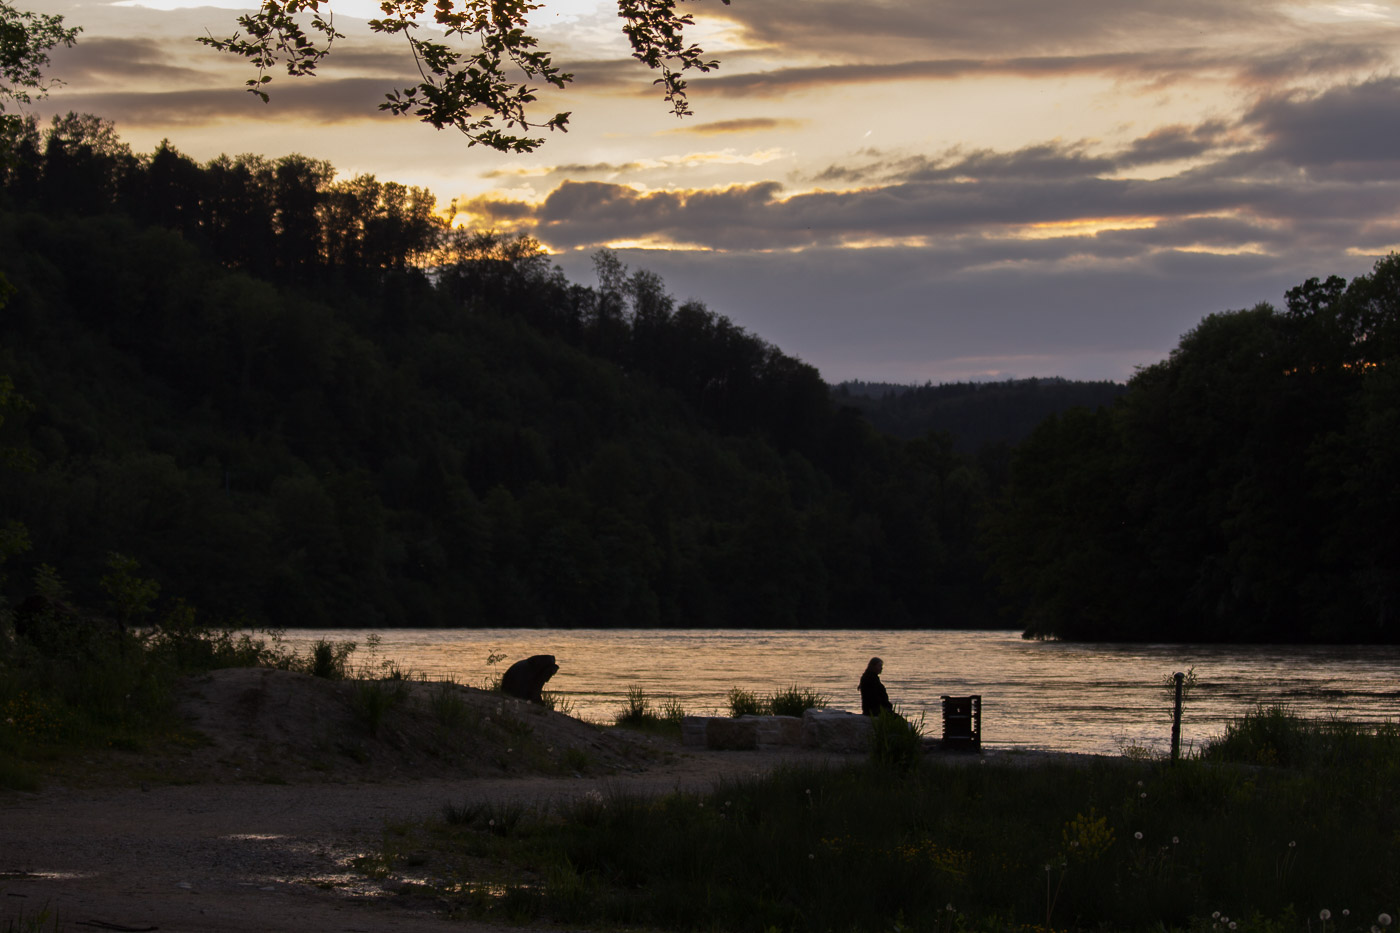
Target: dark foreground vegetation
1276,823
71,684
300,400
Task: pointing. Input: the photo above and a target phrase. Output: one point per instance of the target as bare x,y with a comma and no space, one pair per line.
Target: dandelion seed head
1293,844
811,855
1143,794
1325,914
1233,924
1215,915
1384,920
1137,835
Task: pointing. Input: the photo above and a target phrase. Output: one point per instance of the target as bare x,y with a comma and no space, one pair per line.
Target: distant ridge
975,414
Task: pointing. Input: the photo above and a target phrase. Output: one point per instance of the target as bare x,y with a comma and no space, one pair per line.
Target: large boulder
836,730
732,734
777,730
694,730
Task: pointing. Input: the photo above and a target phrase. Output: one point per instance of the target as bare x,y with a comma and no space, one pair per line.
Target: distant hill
974,414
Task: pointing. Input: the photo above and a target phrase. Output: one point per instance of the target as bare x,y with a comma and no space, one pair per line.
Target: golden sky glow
915,190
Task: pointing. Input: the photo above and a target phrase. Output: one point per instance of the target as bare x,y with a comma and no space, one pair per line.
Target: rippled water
1050,695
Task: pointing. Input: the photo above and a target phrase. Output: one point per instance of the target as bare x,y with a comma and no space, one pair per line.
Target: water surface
1078,697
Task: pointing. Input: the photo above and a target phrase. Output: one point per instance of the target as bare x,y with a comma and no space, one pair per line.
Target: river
1064,696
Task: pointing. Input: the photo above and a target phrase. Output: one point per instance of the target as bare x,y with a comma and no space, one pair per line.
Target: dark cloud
747,125
1040,199
1172,143
110,59
837,26
1338,55
1155,66
567,170
1350,127
316,100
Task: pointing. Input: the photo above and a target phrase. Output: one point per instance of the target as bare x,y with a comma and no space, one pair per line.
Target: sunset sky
891,191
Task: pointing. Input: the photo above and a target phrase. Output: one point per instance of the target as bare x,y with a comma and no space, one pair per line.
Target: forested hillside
298,399
974,414
1243,489
303,400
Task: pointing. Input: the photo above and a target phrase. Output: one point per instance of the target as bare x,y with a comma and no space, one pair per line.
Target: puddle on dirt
45,875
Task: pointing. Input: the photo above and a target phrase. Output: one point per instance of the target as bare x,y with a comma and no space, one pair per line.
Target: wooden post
1176,717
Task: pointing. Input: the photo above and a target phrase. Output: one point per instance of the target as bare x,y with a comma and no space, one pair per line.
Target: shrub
795,700
638,713
897,742
744,703
372,700
329,659
556,702
638,709
1274,735
672,712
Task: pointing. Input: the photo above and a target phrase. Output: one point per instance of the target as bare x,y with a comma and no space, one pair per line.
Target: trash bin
962,723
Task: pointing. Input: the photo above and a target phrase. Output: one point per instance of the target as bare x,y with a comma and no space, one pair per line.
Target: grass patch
371,701
896,741
792,701
745,703
637,713
1117,845
795,700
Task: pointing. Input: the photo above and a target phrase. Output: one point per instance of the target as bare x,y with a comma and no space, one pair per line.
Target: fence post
1176,717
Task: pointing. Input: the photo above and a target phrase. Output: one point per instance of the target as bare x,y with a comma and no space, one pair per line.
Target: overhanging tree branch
484,93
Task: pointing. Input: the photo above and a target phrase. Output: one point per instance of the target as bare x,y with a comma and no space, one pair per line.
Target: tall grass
896,741
637,713
77,682
792,701
1273,735
1110,845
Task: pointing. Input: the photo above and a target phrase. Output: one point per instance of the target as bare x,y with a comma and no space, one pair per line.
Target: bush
1275,736
897,742
744,703
638,713
329,659
795,700
373,699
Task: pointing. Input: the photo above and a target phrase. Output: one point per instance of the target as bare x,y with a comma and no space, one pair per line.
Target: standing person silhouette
873,697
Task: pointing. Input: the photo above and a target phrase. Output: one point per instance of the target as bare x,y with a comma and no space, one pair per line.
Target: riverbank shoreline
283,787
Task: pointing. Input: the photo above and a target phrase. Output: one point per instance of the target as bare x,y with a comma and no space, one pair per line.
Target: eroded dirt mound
271,725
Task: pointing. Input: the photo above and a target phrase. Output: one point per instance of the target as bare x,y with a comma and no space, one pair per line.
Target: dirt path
254,826
245,857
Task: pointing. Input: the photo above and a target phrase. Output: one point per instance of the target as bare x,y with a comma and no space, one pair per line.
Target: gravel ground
254,826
